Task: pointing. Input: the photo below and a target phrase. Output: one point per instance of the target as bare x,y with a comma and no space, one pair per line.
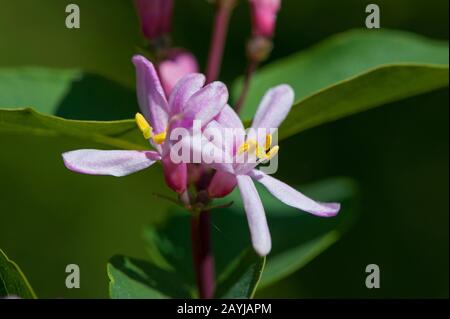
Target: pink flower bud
178,64
264,16
155,17
221,185
175,174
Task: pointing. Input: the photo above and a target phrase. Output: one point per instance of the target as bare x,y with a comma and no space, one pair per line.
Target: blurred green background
50,217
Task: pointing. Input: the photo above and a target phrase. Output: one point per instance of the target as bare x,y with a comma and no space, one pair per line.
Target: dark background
397,153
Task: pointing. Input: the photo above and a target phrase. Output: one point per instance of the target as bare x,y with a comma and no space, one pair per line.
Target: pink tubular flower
189,100
155,17
178,64
264,16
273,109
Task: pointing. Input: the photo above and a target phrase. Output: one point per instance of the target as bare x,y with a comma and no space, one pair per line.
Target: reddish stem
251,68
202,254
221,22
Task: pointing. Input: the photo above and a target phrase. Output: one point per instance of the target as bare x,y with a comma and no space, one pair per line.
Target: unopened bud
155,17
264,17
177,64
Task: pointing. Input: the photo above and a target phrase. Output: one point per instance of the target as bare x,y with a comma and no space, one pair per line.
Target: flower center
147,130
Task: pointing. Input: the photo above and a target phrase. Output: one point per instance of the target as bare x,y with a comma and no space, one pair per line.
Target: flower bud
264,17
221,185
178,64
175,174
155,17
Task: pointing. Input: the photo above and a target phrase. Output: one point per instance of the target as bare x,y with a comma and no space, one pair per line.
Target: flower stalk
202,253
251,68
224,9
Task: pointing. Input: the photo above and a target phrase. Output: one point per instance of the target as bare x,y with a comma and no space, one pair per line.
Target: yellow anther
261,153
249,146
243,148
268,141
160,138
143,125
273,151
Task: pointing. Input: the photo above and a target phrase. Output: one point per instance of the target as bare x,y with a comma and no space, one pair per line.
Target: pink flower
271,112
178,64
189,100
264,16
155,17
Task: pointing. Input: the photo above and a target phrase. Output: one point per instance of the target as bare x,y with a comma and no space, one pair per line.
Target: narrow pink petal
207,103
115,163
222,184
256,217
183,91
151,96
294,198
228,118
274,107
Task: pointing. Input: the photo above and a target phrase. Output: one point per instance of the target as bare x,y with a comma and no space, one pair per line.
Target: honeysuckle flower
190,100
271,112
178,64
264,17
155,17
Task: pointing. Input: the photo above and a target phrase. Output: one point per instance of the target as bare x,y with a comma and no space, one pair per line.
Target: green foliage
352,72
118,134
13,282
374,88
71,94
136,279
242,277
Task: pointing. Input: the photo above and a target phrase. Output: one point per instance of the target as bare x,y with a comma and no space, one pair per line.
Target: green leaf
70,94
120,134
374,88
241,278
137,279
12,280
297,238
352,72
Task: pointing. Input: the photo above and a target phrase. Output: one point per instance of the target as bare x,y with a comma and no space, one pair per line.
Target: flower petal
256,217
229,119
274,107
178,64
151,96
183,91
294,198
206,103
115,163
